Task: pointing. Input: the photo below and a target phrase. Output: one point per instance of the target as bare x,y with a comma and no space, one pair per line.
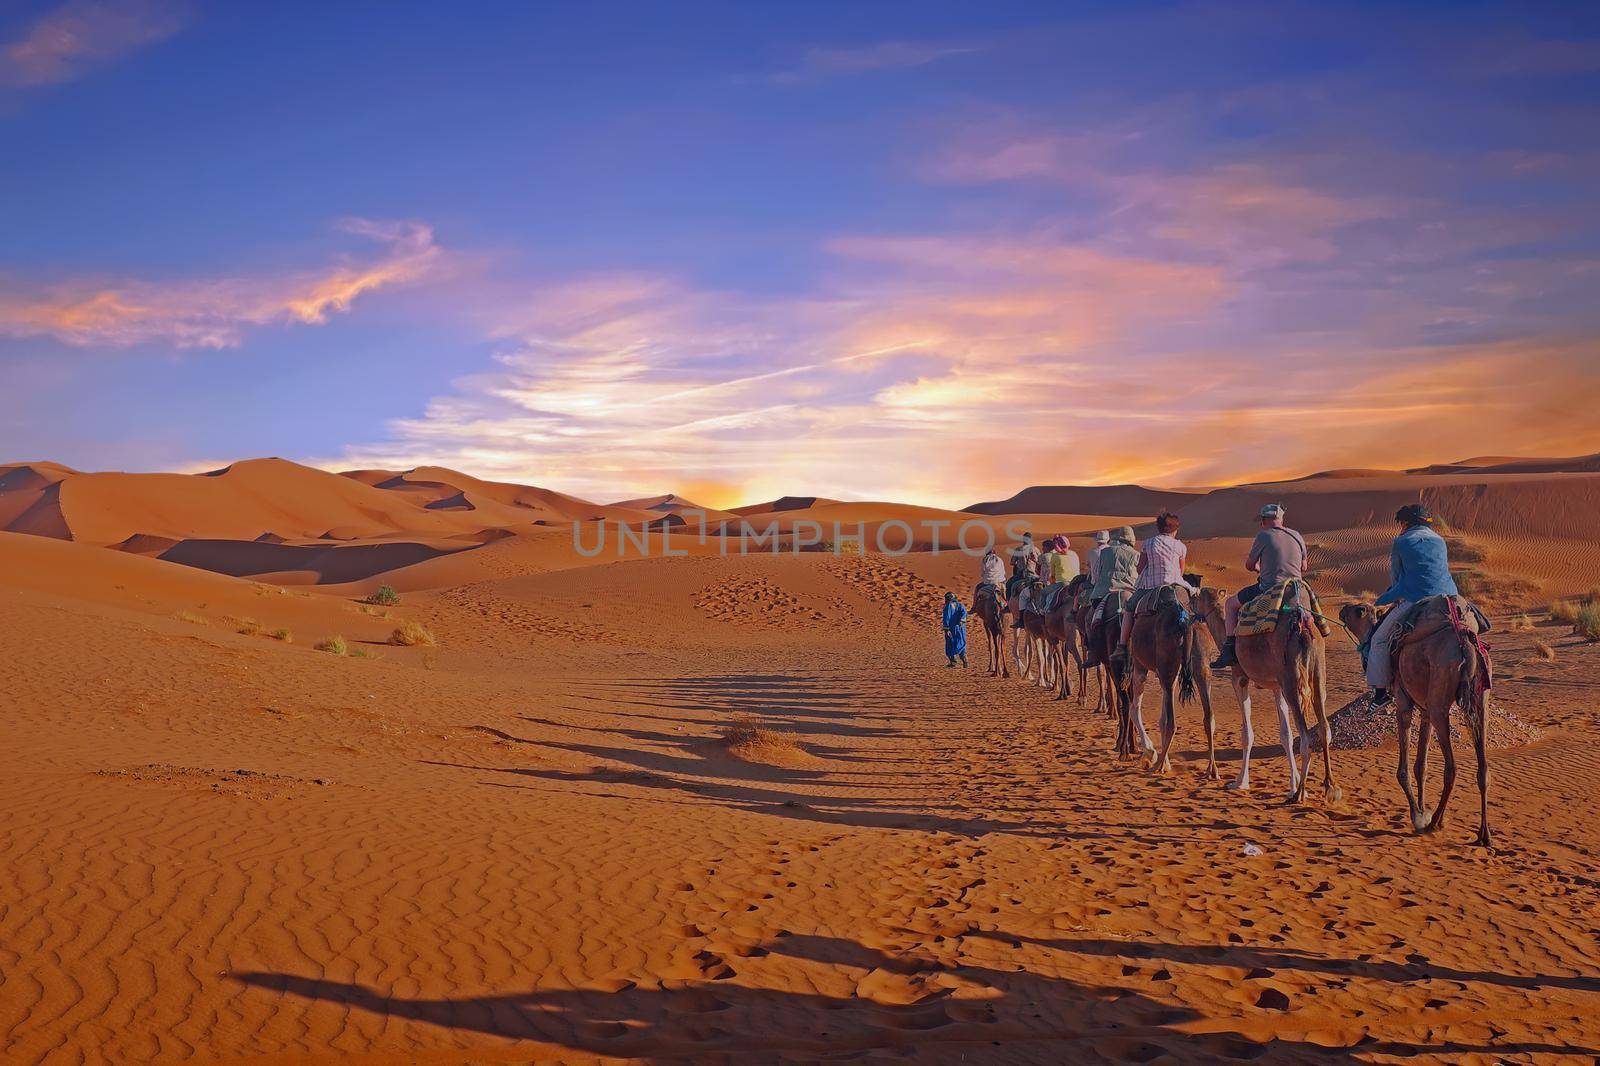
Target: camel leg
1480,744
1424,731
1286,735
1147,747
1247,733
1169,726
1319,703
1211,727
1402,718
1046,678
1448,747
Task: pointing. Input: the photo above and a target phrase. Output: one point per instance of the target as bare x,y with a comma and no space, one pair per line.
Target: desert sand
724,807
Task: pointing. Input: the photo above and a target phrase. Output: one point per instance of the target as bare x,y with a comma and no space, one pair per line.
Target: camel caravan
1129,612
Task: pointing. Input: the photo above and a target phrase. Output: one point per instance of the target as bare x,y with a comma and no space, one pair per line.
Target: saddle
1435,614
1161,598
1047,598
1285,599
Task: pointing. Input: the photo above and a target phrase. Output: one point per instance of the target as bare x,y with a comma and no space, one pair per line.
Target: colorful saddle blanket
1261,614
1047,598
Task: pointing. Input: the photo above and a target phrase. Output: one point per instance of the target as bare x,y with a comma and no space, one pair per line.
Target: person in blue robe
955,630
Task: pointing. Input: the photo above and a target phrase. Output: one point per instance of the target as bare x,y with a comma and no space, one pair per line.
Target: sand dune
722,809
1088,499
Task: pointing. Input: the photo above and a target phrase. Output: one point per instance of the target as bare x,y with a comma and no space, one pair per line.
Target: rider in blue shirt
1419,567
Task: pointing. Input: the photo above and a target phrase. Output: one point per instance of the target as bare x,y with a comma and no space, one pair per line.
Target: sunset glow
932,259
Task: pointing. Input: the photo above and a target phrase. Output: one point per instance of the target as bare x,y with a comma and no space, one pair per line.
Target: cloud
821,63
65,43
625,384
215,313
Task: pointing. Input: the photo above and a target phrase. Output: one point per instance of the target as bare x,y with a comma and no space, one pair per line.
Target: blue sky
917,251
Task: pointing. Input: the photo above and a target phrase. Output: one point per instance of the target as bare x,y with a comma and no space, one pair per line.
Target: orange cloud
215,313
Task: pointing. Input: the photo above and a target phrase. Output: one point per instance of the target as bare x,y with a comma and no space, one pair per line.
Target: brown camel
1084,611
1291,663
1102,643
1035,628
1063,624
1435,668
1055,634
990,606
1167,640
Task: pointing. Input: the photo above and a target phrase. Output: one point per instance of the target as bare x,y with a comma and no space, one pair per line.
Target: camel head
1207,606
1359,618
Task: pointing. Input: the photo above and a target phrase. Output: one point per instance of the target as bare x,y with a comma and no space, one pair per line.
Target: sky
925,252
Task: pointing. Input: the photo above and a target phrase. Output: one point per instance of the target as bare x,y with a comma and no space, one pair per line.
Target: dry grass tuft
1587,625
334,646
283,635
746,739
364,653
1492,591
1545,652
411,634
1521,623
1564,611
191,618
247,627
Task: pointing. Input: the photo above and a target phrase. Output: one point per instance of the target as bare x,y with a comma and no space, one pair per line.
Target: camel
1053,633
1102,641
1037,637
1434,669
1167,642
1083,611
1290,662
990,607
1061,626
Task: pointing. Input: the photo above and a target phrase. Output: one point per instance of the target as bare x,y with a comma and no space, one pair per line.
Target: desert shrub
247,627
1587,624
1564,611
1464,551
334,646
283,635
1522,623
191,618
1495,590
411,634
386,596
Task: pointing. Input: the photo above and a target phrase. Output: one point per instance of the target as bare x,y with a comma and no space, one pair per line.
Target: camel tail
1186,666
1301,645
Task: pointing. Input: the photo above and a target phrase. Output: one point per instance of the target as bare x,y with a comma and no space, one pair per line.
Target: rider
1161,560
992,571
1024,565
1064,565
1116,571
1025,558
1277,554
1419,567
1092,557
